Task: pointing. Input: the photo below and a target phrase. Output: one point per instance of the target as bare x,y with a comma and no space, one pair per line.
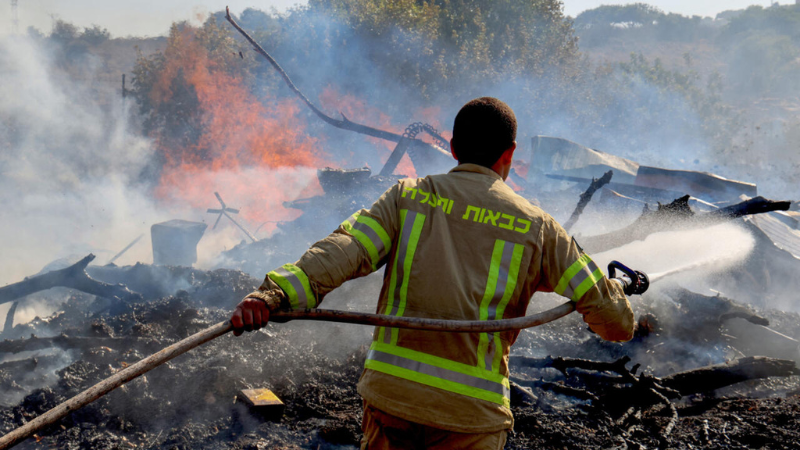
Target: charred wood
586,197
706,439
620,391
706,379
752,318
673,419
344,123
27,365
74,277
558,388
755,205
79,343
563,364
9,323
677,215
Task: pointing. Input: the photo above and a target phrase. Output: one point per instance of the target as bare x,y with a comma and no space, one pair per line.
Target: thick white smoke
70,165
67,164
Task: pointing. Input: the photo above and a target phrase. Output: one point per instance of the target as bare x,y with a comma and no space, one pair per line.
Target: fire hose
634,282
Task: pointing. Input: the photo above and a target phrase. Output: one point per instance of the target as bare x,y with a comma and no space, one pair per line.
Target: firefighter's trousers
384,431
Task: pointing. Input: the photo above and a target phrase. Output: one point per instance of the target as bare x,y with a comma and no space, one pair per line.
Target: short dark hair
484,128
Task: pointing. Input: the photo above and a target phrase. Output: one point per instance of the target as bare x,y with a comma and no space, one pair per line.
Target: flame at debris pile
258,154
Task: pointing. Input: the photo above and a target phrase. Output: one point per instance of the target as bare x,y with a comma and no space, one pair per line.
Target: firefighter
460,246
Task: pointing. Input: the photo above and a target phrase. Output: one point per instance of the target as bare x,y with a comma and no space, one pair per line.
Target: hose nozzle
634,282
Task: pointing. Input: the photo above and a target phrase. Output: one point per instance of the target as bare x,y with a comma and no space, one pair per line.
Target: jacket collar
476,168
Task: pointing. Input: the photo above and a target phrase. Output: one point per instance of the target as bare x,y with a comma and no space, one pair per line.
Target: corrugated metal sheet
564,157
784,236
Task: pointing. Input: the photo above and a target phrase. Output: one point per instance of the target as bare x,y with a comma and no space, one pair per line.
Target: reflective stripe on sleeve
295,284
500,286
410,231
439,372
579,278
371,235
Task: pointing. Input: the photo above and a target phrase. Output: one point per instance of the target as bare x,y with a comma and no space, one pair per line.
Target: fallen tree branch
80,343
562,364
755,205
27,365
74,277
673,420
586,197
677,215
558,388
635,389
752,318
344,124
706,379
9,323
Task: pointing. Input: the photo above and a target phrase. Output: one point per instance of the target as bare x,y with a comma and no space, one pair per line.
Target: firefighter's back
465,250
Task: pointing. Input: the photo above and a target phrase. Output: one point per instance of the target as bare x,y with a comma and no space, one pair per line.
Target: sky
153,17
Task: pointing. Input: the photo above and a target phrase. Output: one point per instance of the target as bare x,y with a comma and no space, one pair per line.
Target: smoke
689,256
67,165
70,164
71,155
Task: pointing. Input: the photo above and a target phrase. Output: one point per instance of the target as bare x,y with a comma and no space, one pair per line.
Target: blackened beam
627,187
74,277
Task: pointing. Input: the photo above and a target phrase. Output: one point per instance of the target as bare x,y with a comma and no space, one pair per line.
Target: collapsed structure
677,382
690,377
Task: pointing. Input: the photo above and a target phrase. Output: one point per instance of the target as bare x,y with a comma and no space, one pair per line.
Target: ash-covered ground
314,367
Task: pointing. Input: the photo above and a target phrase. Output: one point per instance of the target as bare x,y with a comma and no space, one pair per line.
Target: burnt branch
77,343
559,388
673,419
710,378
678,215
562,364
586,197
344,123
752,318
9,323
74,277
756,205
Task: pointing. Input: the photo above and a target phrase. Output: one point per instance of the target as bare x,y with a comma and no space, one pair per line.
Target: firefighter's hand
251,314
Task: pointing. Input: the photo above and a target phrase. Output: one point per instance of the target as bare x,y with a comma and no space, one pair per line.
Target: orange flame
358,110
246,150
257,154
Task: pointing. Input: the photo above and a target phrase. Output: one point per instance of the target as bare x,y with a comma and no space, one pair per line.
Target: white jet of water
691,253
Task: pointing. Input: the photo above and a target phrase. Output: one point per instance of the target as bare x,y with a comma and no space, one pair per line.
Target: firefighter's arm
358,247
570,272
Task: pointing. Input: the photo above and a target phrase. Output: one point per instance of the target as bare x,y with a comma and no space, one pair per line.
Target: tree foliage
402,55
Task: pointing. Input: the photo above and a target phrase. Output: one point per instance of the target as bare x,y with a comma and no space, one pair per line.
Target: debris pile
570,387
704,369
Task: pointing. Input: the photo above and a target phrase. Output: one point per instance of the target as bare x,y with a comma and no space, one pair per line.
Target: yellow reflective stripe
439,372
410,231
369,233
511,286
393,276
416,231
488,294
579,278
430,380
377,228
500,287
571,272
494,273
295,284
587,284
438,361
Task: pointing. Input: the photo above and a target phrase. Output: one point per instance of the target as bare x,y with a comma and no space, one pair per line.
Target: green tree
95,35
448,45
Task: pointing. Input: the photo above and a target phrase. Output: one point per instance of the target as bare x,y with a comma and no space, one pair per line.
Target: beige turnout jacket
459,246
